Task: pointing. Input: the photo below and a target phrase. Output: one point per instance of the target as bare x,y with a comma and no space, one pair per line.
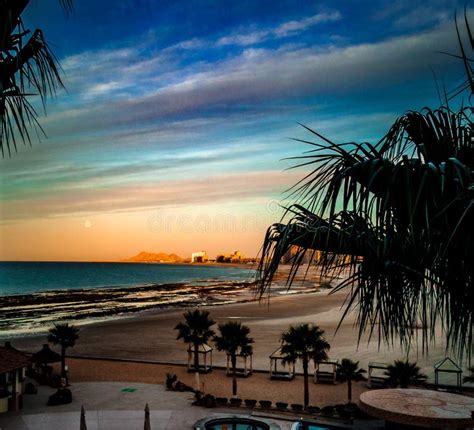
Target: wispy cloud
286,29
127,119
423,15
255,77
194,43
250,36
297,26
409,14
162,194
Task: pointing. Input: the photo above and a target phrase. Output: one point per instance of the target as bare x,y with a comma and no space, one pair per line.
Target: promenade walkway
112,406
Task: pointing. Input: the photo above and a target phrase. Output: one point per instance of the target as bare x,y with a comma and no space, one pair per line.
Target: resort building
13,364
309,257
236,257
199,257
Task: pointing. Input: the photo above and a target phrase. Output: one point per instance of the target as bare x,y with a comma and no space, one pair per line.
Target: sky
178,115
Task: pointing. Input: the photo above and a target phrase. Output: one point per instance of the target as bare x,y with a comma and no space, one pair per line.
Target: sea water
34,295
37,277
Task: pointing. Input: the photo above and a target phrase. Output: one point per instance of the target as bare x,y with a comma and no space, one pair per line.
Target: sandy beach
150,335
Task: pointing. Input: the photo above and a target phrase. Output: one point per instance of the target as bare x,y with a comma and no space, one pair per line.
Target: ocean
37,277
34,295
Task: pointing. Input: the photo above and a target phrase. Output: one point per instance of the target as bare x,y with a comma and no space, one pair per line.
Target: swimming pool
232,423
302,425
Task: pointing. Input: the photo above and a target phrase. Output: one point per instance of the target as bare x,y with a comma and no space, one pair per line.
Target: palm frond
397,216
28,67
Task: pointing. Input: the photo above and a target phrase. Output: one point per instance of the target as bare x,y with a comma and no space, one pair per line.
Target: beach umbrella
83,419
147,425
46,355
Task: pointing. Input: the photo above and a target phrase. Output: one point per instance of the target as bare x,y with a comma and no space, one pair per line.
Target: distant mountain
151,257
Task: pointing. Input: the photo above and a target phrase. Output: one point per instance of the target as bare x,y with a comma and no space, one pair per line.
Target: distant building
316,257
309,256
199,257
236,257
13,364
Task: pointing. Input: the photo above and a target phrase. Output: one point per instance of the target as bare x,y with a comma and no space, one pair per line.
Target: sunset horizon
170,137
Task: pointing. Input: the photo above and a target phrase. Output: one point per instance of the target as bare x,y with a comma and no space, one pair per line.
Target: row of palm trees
304,342
233,338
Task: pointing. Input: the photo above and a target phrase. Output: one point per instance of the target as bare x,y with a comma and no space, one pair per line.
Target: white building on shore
199,257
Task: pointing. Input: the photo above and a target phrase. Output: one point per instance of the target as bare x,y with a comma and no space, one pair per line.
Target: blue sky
187,106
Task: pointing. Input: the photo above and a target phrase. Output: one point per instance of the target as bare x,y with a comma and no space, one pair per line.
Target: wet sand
23,313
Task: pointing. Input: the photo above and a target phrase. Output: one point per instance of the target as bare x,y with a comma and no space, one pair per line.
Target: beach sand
151,336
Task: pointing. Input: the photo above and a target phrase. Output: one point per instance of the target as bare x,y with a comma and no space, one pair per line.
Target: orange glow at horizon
120,235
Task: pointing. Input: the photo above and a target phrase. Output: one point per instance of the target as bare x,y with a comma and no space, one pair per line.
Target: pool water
309,426
235,424
313,428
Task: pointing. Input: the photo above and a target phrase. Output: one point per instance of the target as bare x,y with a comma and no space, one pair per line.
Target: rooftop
11,359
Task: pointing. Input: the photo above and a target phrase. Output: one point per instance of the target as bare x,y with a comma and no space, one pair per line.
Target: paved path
108,407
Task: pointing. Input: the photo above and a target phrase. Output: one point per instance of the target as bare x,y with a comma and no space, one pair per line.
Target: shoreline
29,314
150,335
86,305
178,263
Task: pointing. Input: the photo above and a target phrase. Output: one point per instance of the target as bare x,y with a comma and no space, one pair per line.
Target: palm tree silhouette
64,335
234,339
397,215
304,342
403,373
348,371
195,331
27,66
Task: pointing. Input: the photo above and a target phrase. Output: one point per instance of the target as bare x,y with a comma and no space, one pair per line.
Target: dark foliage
27,68
398,215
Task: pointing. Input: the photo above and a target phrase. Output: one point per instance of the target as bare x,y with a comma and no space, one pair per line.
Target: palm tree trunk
234,375
349,390
306,386
63,361
196,366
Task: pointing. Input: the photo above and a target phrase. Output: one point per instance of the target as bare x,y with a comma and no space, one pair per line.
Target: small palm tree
469,378
66,336
304,342
403,373
234,339
195,331
349,371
